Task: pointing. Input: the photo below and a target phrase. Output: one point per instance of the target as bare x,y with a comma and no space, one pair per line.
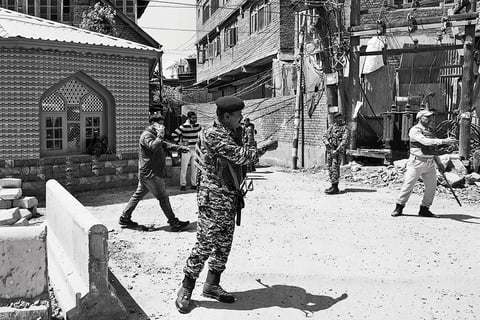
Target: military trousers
215,229
333,163
415,168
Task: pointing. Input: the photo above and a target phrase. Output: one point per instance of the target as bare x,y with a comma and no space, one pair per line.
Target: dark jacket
151,154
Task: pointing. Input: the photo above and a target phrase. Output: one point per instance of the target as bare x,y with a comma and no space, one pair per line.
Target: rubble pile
15,209
466,185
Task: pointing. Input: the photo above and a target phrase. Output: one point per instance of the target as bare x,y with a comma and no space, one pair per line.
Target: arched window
72,118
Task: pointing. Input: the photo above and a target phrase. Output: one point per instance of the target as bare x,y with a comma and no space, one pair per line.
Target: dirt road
300,253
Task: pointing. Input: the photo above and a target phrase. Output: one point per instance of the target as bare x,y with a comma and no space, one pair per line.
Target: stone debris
15,209
465,185
9,216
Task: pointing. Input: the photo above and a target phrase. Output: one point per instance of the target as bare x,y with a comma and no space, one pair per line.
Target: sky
165,20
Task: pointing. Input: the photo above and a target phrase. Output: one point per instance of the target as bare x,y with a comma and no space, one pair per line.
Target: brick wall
273,118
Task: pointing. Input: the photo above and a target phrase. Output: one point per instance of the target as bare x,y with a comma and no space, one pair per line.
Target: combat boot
425,212
398,210
184,296
333,189
212,289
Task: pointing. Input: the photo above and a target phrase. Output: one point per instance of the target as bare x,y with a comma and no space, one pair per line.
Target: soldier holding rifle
422,160
220,158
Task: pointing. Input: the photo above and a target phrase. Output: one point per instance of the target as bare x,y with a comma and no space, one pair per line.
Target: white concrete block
5,204
25,202
23,222
30,313
10,193
26,213
23,262
10,183
9,216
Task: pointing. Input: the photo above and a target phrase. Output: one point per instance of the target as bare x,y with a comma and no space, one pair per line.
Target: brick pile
15,209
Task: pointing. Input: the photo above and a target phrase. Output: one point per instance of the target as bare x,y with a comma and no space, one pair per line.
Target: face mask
159,128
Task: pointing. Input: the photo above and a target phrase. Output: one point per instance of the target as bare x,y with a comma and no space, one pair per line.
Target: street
302,254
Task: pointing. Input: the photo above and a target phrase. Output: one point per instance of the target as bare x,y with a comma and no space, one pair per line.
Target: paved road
302,254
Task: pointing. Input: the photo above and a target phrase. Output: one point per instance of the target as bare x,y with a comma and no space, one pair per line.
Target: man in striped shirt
187,135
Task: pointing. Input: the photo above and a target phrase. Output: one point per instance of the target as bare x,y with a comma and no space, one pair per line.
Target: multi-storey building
237,41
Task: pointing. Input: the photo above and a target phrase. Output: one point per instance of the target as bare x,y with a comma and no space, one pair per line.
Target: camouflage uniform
336,138
218,197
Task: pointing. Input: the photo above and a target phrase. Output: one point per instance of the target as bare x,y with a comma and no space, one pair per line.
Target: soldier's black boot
184,302
398,210
212,289
425,212
333,189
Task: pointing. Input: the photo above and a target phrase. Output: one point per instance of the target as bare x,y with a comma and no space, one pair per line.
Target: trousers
416,168
156,186
215,229
333,163
188,158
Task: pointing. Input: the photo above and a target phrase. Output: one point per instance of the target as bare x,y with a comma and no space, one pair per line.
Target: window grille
92,103
53,103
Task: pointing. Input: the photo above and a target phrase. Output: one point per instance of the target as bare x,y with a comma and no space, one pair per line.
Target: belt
421,158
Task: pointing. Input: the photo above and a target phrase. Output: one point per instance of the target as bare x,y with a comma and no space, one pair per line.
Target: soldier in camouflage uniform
220,158
335,140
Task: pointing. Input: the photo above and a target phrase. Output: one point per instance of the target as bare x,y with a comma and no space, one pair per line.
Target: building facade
73,104
238,40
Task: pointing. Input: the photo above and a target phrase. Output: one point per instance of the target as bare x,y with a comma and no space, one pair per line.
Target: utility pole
299,97
467,93
354,71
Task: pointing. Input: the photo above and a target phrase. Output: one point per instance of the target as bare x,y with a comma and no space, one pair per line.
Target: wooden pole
299,97
467,93
353,74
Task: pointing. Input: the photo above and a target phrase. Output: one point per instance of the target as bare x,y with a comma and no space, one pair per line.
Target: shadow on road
192,227
460,217
282,296
134,311
357,190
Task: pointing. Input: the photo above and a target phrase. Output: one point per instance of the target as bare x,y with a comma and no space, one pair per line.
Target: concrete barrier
78,259
23,272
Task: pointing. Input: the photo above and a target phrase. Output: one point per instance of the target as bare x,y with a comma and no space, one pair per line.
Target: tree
99,18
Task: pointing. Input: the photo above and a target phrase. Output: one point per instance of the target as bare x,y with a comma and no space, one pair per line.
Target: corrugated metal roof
18,25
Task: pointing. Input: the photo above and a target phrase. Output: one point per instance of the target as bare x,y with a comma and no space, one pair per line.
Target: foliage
99,18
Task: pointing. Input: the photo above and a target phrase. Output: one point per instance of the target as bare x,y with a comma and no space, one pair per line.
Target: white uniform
420,163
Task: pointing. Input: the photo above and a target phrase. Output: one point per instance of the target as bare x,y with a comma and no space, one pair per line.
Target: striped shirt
186,134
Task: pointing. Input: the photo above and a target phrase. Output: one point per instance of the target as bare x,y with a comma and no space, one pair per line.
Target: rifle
245,186
440,168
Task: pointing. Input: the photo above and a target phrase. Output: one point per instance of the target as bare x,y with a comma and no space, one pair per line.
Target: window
231,35
201,54
260,16
206,11
214,6
71,119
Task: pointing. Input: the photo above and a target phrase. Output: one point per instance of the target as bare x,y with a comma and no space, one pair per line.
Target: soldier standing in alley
421,162
335,140
220,158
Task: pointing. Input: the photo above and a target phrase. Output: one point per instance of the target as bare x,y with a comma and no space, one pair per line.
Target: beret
229,104
338,114
424,113
156,117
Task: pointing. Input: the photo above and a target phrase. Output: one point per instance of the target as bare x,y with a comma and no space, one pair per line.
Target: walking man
335,140
220,157
187,135
249,139
151,173
421,163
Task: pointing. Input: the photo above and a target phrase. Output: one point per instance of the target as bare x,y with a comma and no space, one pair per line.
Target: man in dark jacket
151,173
